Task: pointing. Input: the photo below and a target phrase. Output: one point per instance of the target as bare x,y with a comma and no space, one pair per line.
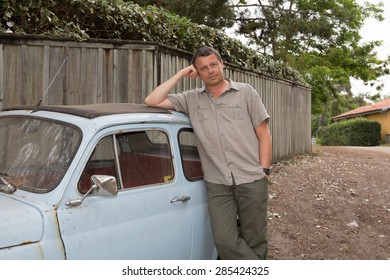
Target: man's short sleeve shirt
225,131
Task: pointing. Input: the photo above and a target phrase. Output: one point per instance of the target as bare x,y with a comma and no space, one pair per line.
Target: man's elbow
149,102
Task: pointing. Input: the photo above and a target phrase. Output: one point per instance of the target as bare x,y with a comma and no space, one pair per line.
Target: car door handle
183,198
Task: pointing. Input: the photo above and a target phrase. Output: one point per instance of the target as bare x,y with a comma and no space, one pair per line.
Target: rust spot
27,242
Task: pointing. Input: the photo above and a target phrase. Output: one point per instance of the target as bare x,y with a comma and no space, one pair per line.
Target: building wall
384,120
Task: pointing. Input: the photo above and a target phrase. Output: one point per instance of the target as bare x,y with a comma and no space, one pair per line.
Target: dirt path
332,204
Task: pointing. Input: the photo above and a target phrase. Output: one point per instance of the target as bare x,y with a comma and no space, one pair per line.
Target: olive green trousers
248,202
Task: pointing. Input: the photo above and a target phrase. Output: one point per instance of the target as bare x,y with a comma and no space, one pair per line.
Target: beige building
379,112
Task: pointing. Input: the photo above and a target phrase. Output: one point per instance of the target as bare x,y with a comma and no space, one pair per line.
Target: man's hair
205,51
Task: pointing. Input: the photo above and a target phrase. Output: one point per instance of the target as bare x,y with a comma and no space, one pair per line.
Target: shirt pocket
201,113
236,111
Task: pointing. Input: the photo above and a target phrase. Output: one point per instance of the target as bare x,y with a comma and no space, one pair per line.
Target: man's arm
264,136
159,96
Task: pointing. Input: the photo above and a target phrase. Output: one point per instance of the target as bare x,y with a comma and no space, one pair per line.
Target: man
234,142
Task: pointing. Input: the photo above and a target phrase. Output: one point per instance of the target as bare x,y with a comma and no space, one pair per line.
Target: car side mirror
103,185
106,185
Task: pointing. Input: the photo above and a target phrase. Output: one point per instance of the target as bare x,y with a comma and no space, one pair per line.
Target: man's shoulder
242,87
239,85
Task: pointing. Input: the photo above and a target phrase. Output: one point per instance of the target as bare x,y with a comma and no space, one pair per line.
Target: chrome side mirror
103,185
106,185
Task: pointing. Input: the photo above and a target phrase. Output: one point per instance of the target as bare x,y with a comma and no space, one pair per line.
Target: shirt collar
232,86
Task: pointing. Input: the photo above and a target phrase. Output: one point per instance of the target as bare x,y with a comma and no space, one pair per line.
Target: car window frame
117,166
185,174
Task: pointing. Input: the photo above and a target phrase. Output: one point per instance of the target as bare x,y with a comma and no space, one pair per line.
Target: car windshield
35,153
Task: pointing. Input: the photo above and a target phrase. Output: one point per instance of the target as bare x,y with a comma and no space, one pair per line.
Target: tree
213,13
318,38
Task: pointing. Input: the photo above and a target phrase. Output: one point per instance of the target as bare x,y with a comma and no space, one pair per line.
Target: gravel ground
331,204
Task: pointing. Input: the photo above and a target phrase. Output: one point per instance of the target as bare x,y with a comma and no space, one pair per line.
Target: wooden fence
66,72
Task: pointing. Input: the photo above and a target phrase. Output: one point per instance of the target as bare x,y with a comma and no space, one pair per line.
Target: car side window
189,155
102,162
145,158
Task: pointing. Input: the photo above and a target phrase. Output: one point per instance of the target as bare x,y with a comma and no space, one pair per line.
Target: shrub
355,132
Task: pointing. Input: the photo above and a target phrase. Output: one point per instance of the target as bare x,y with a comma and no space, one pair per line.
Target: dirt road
332,204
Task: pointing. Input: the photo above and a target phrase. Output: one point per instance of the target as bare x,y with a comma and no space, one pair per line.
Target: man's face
210,69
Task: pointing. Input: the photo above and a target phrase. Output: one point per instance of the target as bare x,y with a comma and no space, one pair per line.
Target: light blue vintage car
101,181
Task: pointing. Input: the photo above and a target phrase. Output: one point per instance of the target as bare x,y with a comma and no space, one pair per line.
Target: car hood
20,223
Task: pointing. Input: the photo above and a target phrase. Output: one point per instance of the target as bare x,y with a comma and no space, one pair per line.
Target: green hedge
354,132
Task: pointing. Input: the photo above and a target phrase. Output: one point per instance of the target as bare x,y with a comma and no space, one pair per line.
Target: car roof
91,111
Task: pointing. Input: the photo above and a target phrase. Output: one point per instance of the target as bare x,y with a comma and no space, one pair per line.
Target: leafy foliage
116,19
355,132
213,13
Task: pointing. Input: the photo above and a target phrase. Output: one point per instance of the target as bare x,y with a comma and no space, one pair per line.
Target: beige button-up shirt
225,131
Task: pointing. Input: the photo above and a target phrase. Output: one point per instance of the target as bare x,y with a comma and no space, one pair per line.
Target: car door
203,243
149,218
